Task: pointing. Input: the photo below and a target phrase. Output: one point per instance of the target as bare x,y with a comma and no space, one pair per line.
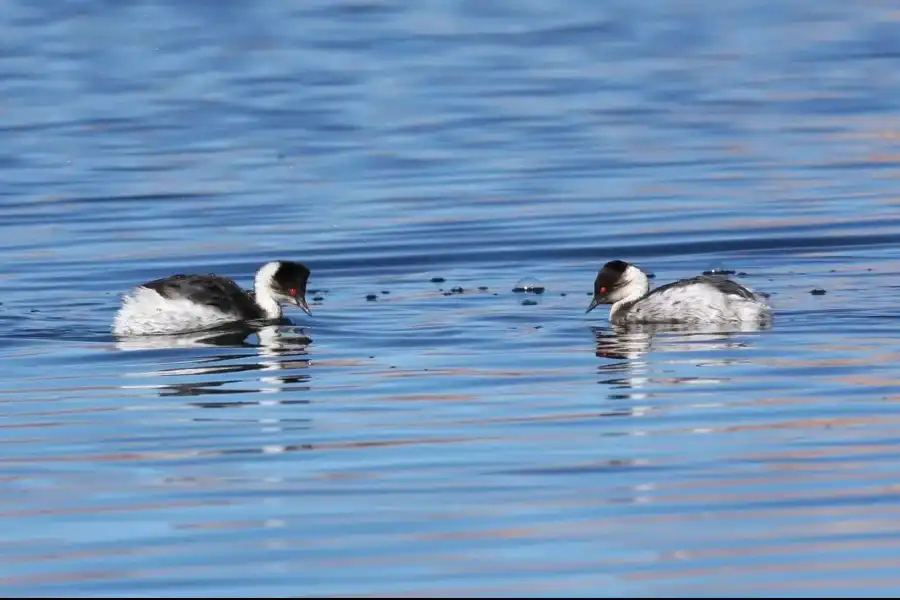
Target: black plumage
209,290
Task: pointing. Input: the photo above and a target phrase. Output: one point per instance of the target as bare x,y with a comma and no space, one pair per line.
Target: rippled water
430,441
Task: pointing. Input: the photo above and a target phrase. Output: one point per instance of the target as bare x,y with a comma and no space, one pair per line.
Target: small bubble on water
528,285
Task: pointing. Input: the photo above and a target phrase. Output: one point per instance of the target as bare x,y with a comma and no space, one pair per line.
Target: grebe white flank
702,299
183,303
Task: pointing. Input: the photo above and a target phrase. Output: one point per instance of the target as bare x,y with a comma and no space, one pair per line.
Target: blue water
433,442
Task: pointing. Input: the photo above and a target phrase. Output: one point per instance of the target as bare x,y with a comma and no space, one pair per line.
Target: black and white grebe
703,299
184,303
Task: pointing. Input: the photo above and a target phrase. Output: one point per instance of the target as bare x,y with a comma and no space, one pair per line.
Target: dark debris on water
719,272
817,292
538,289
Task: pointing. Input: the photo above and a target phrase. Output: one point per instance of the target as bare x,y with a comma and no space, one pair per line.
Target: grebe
185,303
702,299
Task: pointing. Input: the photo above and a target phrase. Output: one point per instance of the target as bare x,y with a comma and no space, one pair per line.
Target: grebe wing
210,290
720,282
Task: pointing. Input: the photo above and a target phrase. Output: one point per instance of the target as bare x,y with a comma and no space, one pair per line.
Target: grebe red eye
603,290
292,292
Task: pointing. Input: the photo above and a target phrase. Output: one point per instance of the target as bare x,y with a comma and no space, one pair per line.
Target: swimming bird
702,299
185,303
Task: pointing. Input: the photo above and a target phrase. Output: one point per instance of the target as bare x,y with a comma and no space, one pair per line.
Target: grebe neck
265,295
635,285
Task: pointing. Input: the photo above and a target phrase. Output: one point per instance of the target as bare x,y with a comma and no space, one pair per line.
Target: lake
429,432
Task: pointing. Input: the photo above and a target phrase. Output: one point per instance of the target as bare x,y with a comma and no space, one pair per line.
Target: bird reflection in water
630,352
254,372
274,348
637,339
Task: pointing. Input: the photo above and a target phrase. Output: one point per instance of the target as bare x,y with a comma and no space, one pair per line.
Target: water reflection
278,353
634,367
268,337
629,342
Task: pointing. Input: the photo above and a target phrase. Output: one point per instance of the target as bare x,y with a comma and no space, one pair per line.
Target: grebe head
284,281
618,281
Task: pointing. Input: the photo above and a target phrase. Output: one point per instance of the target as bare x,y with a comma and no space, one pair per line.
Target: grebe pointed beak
594,304
301,302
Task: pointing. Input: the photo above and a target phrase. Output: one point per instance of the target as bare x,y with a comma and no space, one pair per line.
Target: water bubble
528,285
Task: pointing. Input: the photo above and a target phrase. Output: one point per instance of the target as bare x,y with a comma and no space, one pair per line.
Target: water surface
432,442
